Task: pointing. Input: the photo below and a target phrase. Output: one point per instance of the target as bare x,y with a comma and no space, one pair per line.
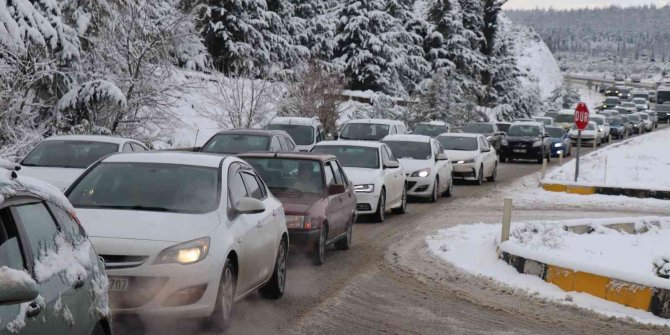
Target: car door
334,203
348,198
391,177
341,215
441,166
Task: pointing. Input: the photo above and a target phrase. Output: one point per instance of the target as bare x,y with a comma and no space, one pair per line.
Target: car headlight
558,145
185,253
537,144
365,188
298,222
468,161
423,173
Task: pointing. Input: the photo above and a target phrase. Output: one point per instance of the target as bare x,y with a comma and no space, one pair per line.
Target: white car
641,104
547,121
646,120
60,160
305,131
429,171
182,234
589,134
371,129
471,155
379,179
432,128
603,126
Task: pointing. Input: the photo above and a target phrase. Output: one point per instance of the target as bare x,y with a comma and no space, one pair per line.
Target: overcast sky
568,4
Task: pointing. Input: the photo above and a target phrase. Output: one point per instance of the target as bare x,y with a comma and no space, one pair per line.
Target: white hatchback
183,234
379,180
472,156
429,171
60,160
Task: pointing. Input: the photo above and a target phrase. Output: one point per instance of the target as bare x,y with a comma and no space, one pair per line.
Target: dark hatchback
526,140
235,141
319,201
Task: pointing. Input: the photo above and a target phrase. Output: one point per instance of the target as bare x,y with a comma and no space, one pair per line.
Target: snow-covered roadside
472,249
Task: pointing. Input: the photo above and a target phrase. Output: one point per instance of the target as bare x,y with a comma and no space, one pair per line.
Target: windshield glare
524,131
410,150
458,143
555,132
151,187
302,135
352,156
289,175
364,131
429,130
478,128
236,143
68,154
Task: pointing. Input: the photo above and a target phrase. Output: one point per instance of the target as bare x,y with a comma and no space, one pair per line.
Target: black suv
526,140
237,141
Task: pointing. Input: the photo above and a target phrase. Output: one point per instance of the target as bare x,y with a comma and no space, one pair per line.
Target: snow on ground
472,248
639,162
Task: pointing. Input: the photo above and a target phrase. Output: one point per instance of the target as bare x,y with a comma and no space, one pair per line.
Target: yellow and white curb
588,190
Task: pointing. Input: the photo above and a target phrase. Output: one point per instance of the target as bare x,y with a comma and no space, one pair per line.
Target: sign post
581,122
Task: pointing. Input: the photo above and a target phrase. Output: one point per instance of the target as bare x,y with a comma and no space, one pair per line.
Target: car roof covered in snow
168,157
368,144
435,123
377,121
13,185
92,138
460,135
299,121
407,138
289,155
254,132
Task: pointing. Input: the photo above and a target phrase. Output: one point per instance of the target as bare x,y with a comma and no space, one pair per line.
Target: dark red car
319,201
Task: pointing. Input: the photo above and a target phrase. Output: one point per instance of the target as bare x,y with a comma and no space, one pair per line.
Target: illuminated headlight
469,161
298,222
367,188
537,144
421,173
558,145
185,253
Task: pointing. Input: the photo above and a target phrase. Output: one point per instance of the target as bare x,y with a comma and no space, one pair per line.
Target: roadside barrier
588,190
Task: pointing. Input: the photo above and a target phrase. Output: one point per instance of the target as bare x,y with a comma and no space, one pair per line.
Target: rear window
236,143
352,156
555,132
302,135
458,143
364,131
289,175
503,126
430,130
524,130
410,150
565,118
478,128
68,154
149,187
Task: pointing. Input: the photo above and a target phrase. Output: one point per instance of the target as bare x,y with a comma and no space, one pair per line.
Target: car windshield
555,132
503,126
352,156
598,121
565,118
364,131
612,101
615,122
68,154
289,175
524,130
628,104
644,116
479,128
546,121
639,101
634,118
459,143
430,130
236,143
410,150
302,135
148,187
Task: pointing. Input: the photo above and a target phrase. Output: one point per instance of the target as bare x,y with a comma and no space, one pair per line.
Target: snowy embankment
638,163
472,248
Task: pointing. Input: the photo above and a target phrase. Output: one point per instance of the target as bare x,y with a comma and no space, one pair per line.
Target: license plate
118,284
520,151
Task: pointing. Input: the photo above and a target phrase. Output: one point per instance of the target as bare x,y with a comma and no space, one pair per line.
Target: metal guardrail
606,81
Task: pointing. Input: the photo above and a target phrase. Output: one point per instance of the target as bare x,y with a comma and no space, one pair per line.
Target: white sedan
589,134
379,180
60,160
183,234
429,172
472,156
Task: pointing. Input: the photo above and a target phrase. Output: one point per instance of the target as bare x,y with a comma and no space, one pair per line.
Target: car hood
522,139
361,176
295,203
412,165
59,177
146,225
460,155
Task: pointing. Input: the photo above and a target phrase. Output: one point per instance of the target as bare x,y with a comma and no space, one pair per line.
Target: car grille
363,207
410,185
141,290
113,262
519,145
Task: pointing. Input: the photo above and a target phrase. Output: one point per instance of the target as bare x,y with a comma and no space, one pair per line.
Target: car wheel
380,215
494,174
450,190
403,204
275,288
226,296
319,256
480,176
436,191
345,242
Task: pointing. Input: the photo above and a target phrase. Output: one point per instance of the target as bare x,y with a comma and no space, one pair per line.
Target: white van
305,131
371,129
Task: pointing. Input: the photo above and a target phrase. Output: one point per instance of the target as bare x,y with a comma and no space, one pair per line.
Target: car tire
225,298
436,191
319,255
380,214
480,176
274,289
494,174
99,330
450,190
403,203
345,242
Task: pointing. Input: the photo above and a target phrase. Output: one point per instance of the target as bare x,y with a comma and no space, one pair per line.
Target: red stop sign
581,116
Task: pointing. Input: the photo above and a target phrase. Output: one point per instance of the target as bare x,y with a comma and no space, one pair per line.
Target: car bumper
150,287
303,240
465,171
366,203
532,152
420,187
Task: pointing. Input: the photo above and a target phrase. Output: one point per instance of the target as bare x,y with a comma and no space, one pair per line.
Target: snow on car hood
361,176
59,177
411,165
461,155
146,225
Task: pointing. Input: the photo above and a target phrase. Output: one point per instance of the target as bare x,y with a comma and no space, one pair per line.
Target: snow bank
638,163
472,248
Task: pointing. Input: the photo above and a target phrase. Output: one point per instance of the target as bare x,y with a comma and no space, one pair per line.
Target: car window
391,157
330,178
282,143
69,226
290,145
127,148
68,154
137,147
39,226
253,188
337,173
236,190
482,143
289,175
303,135
385,157
275,144
10,250
237,143
344,175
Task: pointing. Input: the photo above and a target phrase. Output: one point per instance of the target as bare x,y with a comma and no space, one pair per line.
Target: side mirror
391,165
441,157
22,291
250,206
336,189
